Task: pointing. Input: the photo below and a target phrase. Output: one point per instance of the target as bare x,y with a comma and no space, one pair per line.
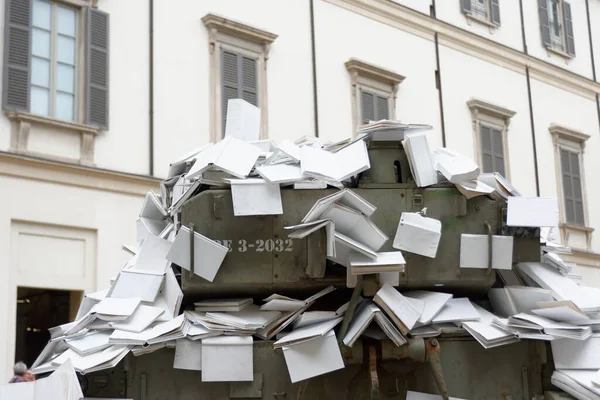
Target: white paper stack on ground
418,234
474,251
420,159
210,254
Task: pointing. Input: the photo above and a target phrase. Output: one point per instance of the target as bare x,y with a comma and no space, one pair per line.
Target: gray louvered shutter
570,39
465,6
367,107
17,39
230,82
577,189
565,166
496,12
98,40
383,106
487,155
249,80
544,22
498,151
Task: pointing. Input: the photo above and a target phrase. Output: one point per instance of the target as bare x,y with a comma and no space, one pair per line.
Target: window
373,92
557,26
47,72
569,148
373,107
53,60
238,79
485,11
490,127
238,59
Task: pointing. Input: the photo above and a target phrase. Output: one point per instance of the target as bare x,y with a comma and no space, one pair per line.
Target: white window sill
52,122
473,18
568,229
552,50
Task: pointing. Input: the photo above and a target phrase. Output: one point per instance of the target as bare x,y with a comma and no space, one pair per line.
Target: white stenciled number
269,245
278,245
243,246
289,245
260,245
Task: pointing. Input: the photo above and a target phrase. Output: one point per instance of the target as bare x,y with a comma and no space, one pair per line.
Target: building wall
595,26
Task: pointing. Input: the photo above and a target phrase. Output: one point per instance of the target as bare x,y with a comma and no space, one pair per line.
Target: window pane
41,14
488,163
575,164
66,21
65,78
577,189
65,50
40,43
40,72
570,209
39,101
64,106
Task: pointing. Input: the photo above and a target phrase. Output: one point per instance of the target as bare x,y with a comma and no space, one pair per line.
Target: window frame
79,53
571,140
477,14
243,39
492,116
561,21
372,79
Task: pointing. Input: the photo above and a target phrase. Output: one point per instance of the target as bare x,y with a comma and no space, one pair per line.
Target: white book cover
400,309
149,227
314,317
251,317
230,155
210,254
305,229
227,359
454,167
356,226
532,211
141,318
280,173
345,197
223,304
286,151
313,358
243,120
255,197
344,246
112,308
577,354
563,314
152,207
391,261
131,284
170,298
307,333
284,303
410,395
434,302
151,257
459,309
473,188
526,298
366,313
420,159
188,355
474,251
90,342
339,166
418,234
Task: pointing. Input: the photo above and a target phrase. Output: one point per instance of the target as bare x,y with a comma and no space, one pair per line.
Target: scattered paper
418,234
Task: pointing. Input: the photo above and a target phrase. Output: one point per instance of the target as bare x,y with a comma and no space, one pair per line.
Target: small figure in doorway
19,372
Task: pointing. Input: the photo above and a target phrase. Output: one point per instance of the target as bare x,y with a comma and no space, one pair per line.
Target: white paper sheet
418,234
280,173
227,358
474,251
532,211
255,197
399,308
577,354
142,317
459,309
188,355
131,284
420,159
151,257
313,358
115,307
307,333
243,120
338,166
434,302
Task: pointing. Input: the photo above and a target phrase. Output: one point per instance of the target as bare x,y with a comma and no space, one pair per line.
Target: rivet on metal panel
525,379
218,207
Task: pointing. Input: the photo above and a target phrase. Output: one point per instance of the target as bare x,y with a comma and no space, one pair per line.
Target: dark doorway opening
38,310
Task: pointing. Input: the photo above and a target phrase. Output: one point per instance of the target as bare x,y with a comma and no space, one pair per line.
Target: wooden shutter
577,189
487,155
544,22
498,151
97,68
16,77
367,107
465,6
496,12
565,166
249,80
568,23
383,108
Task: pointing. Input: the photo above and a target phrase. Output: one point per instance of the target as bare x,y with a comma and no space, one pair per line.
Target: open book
366,313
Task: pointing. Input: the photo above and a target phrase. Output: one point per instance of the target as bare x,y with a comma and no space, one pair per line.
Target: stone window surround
570,139
228,34
375,79
489,114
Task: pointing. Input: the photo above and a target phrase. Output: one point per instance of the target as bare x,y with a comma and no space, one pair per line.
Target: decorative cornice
562,132
422,25
374,72
238,29
481,106
55,123
39,169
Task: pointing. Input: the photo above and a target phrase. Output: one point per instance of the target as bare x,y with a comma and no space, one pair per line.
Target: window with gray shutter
16,74
373,107
239,79
492,150
568,26
496,12
544,22
465,6
97,72
572,189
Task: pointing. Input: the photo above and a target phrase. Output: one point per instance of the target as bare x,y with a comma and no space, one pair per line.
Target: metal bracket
432,356
490,248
